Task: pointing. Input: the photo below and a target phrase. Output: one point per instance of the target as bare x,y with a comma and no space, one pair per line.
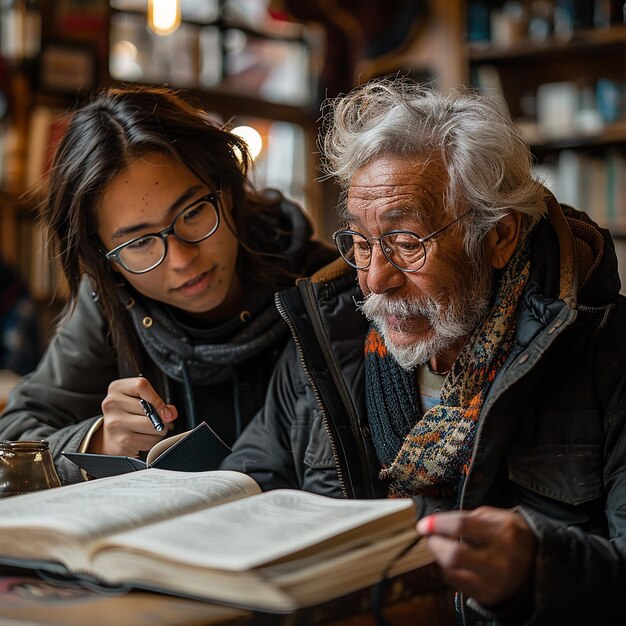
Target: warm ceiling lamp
252,138
163,16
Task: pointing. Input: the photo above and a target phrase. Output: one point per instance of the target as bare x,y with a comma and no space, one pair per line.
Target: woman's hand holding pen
126,429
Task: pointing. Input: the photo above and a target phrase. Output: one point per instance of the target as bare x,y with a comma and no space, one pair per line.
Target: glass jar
26,466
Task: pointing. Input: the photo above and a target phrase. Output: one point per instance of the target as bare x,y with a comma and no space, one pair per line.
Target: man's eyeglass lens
405,250
192,225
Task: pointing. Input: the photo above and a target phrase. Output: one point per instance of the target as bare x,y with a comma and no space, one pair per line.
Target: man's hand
487,553
125,428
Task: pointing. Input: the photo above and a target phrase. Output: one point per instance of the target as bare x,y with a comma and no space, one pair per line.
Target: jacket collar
568,260
588,264
333,271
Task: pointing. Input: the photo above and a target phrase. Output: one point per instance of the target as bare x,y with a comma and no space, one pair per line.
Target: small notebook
197,450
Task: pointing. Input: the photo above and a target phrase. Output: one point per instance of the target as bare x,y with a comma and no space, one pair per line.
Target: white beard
448,324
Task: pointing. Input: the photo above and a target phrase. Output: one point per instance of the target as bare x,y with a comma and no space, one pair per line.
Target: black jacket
61,400
551,438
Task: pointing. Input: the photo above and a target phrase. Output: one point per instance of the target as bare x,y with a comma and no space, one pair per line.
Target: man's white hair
486,156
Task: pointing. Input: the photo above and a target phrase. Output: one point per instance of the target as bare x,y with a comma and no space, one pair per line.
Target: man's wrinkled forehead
396,188
402,212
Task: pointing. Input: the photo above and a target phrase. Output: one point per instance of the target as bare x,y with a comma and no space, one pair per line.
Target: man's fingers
454,554
462,566
480,526
487,553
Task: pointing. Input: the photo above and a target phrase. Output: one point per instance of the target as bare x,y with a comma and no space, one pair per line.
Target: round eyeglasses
192,224
404,249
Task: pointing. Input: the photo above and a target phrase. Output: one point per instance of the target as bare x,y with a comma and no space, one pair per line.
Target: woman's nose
180,253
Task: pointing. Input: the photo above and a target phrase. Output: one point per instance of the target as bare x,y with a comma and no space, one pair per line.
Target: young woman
172,260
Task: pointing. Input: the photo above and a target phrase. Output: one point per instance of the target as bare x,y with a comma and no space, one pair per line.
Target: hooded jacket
551,436
219,375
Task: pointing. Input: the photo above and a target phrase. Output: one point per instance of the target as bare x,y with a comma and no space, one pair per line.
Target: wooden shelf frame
581,42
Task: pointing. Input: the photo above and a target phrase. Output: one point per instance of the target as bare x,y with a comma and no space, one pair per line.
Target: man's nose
381,275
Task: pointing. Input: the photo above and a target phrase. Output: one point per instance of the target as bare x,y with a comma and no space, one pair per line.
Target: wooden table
27,600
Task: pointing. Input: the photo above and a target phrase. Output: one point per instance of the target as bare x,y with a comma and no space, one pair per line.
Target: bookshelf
247,67
265,71
560,67
78,48
565,84
50,56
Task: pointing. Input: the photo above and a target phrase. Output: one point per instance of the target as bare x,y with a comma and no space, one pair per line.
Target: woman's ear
502,240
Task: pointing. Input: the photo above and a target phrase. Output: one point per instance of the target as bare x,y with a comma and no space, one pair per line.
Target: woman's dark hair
104,136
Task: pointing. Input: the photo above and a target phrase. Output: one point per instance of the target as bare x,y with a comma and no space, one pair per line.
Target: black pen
154,417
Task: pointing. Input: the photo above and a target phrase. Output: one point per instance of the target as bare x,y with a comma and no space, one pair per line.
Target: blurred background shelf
559,66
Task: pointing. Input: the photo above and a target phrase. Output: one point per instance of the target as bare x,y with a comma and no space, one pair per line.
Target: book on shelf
572,169
592,182
487,80
596,194
47,126
213,536
616,190
9,243
557,104
39,268
200,449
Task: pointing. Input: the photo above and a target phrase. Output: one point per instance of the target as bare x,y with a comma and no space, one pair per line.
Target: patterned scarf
427,455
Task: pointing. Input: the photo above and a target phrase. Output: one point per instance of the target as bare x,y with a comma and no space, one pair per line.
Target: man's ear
503,239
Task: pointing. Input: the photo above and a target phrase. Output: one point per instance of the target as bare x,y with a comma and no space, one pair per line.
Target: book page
108,505
258,530
314,580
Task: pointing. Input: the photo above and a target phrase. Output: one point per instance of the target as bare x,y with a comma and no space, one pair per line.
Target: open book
196,450
211,535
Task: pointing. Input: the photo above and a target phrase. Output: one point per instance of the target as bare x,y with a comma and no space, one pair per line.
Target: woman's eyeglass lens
193,224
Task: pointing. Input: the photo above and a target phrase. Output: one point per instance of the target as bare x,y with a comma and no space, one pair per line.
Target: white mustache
376,307
449,320
378,304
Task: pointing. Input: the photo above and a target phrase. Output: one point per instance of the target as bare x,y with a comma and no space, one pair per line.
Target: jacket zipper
489,401
316,393
346,400
165,383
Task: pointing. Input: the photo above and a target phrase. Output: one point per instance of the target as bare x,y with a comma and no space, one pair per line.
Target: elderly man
482,370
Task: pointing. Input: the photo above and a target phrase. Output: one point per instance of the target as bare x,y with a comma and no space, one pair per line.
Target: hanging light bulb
252,138
163,16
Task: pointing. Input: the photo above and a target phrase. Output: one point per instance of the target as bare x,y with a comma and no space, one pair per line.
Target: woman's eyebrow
179,203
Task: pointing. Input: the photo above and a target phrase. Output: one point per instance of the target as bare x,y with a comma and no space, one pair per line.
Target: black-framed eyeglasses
192,224
404,249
